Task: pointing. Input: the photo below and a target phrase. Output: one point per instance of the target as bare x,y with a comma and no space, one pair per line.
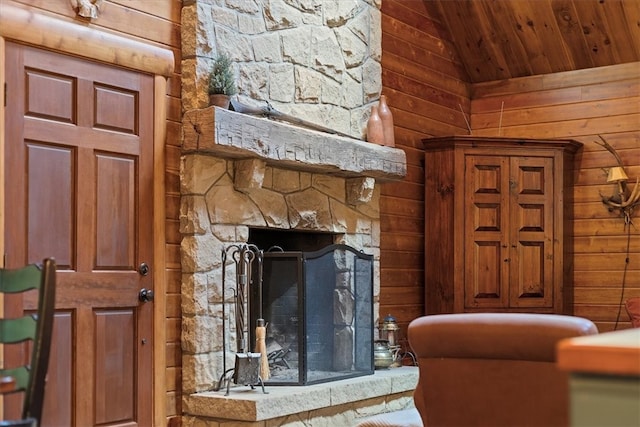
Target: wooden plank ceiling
502,39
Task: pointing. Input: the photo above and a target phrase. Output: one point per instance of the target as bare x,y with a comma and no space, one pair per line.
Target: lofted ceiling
502,39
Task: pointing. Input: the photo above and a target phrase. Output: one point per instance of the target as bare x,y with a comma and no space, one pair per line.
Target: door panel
59,411
59,104
116,110
50,183
77,133
115,388
532,232
115,221
486,229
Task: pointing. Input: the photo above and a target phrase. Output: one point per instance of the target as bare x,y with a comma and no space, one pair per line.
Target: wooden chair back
37,328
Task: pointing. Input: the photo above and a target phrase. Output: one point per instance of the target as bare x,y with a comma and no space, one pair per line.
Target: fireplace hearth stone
337,403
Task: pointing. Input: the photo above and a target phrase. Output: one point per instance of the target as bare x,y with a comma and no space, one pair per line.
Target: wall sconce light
619,176
625,200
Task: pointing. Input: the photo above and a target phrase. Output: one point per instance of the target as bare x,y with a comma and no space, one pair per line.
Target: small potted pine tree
222,84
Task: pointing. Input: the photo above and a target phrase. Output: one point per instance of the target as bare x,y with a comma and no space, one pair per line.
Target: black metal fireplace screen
319,312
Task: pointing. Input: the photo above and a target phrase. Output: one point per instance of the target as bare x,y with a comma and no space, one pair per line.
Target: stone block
343,305
194,296
309,209
199,253
360,190
248,174
198,173
273,207
194,218
227,206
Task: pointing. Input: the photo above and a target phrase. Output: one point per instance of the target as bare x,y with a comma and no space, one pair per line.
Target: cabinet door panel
486,229
485,286
531,231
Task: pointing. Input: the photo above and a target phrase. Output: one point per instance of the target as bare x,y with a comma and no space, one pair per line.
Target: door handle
145,295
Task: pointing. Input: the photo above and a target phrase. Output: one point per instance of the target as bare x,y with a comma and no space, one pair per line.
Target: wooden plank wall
582,105
158,23
426,88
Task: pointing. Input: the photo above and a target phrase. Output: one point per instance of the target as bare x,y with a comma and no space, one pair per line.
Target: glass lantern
389,331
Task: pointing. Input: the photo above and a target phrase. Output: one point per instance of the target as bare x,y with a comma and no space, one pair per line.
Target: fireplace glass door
318,307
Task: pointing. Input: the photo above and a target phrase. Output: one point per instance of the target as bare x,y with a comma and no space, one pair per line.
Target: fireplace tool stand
246,370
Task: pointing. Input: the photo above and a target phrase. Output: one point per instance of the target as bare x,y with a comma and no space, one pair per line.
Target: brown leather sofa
492,369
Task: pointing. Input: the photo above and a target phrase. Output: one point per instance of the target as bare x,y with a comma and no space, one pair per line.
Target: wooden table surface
615,353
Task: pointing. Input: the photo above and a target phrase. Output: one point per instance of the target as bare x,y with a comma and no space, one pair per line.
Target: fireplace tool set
250,368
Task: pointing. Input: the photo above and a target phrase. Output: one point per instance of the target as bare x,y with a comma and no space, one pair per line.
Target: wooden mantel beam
230,134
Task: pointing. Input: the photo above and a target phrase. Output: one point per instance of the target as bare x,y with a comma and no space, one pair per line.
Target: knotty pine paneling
500,40
426,88
159,23
581,105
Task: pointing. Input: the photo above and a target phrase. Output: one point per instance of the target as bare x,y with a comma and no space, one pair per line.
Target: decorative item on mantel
387,122
375,131
380,124
222,83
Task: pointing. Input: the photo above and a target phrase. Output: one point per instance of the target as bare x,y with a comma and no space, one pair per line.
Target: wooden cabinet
495,224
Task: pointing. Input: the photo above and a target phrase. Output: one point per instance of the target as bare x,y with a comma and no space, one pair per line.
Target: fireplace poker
225,371
243,259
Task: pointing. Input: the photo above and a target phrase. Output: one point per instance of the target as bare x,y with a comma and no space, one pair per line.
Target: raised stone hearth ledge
337,403
236,135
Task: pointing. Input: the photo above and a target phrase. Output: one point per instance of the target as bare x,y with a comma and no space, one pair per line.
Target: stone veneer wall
318,60
220,201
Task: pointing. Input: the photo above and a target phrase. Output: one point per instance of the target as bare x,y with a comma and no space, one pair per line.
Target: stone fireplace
318,60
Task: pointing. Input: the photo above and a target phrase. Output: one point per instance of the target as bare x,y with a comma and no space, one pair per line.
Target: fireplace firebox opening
265,238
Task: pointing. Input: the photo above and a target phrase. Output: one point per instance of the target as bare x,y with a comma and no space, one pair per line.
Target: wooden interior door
79,188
